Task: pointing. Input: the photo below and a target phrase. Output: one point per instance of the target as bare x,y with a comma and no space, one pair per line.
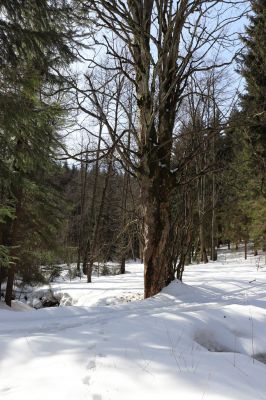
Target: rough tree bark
158,261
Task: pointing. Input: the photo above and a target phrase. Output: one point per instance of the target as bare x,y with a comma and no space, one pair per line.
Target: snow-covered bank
63,291
197,340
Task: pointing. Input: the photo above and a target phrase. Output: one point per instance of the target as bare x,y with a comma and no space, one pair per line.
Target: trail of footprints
92,364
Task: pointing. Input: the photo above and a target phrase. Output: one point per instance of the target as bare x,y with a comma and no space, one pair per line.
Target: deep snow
198,340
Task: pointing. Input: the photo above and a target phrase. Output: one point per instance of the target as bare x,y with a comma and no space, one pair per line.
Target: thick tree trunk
157,255
89,271
85,265
9,285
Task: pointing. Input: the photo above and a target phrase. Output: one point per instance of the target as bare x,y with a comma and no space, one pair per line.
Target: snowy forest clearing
197,340
132,129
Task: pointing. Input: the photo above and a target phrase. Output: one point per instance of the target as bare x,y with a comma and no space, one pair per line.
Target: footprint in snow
91,346
91,365
96,397
86,380
102,333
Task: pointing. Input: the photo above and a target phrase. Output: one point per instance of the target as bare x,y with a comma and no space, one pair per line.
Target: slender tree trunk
200,163
180,267
93,241
86,255
125,235
140,250
246,248
1,275
264,244
213,250
13,235
123,265
83,183
203,252
13,245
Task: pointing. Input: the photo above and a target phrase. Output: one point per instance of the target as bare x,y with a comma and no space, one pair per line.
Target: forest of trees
123,134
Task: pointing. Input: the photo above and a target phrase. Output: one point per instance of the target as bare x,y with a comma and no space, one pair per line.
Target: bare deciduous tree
168,42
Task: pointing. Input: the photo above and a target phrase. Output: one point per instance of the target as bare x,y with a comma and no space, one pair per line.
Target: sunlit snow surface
204,339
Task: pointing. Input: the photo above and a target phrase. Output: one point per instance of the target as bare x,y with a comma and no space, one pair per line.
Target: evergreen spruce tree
253,69
36,40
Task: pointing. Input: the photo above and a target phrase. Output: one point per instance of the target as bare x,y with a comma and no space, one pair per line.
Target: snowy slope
199,340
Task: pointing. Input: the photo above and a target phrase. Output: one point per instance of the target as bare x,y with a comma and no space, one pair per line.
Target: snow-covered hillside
204,339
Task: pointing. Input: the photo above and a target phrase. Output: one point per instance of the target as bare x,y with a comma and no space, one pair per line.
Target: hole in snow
6,389
208,341
96,397
260,357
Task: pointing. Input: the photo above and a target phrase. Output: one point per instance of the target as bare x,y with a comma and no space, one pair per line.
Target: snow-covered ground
204,339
